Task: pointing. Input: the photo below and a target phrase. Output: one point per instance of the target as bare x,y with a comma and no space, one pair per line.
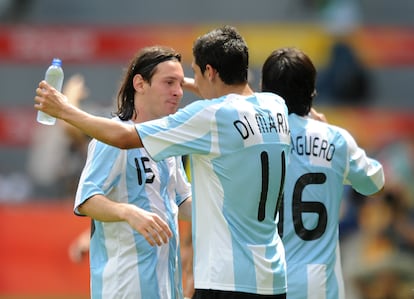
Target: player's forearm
103,129
54,103
102,209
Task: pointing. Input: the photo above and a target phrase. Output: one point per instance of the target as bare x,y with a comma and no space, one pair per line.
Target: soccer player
323,159
134,201
238,142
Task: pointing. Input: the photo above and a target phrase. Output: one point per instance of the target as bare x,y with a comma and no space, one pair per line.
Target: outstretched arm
190,86
54,103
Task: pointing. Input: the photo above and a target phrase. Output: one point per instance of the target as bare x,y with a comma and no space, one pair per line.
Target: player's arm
54,103
365,174
184,212
150,225
189,85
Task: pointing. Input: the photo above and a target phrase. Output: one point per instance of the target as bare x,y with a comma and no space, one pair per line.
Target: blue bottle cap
57,61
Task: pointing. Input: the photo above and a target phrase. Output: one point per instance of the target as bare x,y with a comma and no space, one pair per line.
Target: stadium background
97,39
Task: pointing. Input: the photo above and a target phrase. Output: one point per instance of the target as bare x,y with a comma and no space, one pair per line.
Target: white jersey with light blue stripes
238,147
323,159
123,264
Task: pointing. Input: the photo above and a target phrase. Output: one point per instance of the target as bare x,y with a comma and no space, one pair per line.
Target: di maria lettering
265,124
313,145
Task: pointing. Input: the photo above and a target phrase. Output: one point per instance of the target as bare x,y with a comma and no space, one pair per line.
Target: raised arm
54,103
190,86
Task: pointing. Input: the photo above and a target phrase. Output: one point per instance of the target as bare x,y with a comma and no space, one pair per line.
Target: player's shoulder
269,96
340,134
337,129
316,125
195,107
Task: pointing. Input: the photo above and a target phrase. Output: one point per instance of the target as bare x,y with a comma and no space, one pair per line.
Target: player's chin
171,108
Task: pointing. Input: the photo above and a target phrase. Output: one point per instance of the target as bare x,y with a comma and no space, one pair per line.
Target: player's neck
241,89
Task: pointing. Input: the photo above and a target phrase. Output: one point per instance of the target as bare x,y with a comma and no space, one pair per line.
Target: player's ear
138,82
211,72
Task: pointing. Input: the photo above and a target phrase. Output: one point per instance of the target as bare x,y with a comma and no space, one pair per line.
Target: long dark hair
144,63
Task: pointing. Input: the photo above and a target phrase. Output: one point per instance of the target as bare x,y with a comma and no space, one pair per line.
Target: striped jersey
122,263
238,147
323,159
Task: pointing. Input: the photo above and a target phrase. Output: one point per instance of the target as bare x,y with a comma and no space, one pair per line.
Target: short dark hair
145,63
290,73
226,51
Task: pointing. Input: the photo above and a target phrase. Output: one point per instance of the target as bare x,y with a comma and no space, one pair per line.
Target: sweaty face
163,95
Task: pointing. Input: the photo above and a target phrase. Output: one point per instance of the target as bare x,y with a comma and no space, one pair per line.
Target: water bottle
54,76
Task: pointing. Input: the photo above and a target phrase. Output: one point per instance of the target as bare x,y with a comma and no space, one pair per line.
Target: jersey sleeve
364,174
186,132
100,173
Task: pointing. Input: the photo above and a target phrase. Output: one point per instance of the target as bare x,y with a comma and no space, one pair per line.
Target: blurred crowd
377,233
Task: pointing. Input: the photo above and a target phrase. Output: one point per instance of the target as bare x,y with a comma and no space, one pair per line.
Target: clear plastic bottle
54,76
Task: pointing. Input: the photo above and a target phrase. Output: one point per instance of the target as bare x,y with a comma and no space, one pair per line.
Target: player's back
322,160
250,161
245,169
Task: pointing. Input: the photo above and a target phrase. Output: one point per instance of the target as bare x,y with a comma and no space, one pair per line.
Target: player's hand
80,246
317,115
49,100
150,225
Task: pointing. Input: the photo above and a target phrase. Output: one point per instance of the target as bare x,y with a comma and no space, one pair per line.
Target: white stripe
316,281
338,272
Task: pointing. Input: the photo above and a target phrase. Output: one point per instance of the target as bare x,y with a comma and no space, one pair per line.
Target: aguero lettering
312,146
265,124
